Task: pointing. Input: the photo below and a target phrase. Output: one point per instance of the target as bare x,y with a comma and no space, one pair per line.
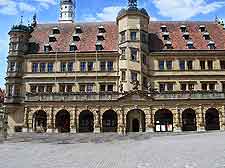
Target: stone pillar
26,120
50,122
30,122
177,119
73,125
121,122
97,122
221,112
149,121
200,119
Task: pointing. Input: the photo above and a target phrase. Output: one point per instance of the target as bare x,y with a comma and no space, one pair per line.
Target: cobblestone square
205,150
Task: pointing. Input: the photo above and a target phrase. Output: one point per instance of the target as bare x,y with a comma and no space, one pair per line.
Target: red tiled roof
88,37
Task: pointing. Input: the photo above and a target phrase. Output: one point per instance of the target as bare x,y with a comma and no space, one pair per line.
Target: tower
133,46
67,11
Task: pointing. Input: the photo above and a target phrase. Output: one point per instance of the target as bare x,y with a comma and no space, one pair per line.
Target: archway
135,121
164,121
109,121
86,121
40,121
62,122
212,119
189,120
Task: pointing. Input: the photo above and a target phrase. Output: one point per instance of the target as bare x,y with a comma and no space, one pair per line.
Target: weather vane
132,3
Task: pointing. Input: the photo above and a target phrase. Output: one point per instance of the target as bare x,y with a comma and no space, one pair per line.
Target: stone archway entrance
86,121
109,121
212,120
164,121
40,121
189,120
62,122
135,121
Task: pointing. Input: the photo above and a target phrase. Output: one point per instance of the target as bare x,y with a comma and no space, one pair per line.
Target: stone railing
108,96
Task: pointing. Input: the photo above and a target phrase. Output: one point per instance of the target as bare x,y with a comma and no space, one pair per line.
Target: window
110,88
62,88
183,87
189,65
134,54
145,82
47,49
168,65
204,86
52,39
10,90
133,36
99,47
56,31
169,86
161,65
83,66
35,67
110,66
69,88
223,87
182,65
162,87
12,67
103,66
50,67
102,88
82,88
123,36
133,76
144,59
123,76
33,89
123,53
210,65
89,87
211,86
73,47
222,65
63,67
90,66
42,67
70,67
41,89
49,89
202,65
191,87
144,38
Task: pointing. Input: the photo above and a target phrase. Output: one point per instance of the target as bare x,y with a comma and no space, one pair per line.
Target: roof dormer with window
163,28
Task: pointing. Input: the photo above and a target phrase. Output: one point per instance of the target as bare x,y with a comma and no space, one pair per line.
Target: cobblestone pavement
205,150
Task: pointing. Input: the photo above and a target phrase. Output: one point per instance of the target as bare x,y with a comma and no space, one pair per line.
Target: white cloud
107,14
25,7
185,9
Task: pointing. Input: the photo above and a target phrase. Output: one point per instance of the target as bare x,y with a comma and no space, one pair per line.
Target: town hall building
129,75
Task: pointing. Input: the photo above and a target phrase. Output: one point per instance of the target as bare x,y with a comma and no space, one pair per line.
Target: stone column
97,121
50,122
200,119
121,123
177,119
26,120
221,115
149,121
30,122
73,125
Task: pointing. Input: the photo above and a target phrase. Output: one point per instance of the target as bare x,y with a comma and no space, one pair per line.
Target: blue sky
99,10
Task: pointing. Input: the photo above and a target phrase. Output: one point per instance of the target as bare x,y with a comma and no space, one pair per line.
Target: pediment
135,96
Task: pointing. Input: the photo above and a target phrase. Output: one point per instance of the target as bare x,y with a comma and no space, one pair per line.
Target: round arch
86,121
212,119
62,123
40,121
163,120
189,120
135,121
109,121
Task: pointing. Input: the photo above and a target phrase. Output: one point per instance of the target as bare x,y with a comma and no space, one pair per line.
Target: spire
34,23
132,3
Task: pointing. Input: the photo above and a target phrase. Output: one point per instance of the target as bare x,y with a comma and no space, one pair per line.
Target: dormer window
76,37
168,45
101,29
183,28
211,45
202,28
47,48
52,38
73,47
98,46
166,35
190,45
164,28
78,30
186,35
55,30
100,37
206,35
